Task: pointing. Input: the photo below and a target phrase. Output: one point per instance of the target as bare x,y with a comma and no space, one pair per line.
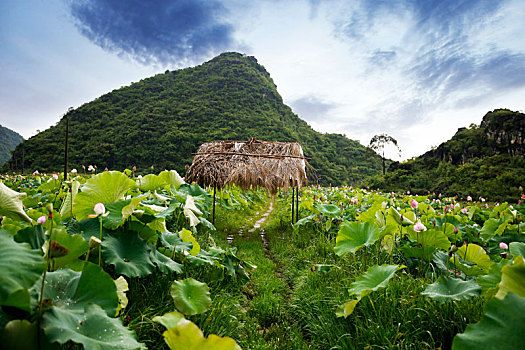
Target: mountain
485,160
9,139
162,120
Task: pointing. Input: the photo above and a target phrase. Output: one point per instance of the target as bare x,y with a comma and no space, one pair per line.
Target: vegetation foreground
115,261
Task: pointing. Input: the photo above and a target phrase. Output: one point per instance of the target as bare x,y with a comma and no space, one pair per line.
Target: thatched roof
251,163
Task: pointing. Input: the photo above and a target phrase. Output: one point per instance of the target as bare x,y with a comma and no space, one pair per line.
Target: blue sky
414,69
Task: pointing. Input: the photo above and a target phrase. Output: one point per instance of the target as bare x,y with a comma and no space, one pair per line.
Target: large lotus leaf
303,222
472,260
66,210
50,186
127,211
119,211
432,238
329,210
425,253
165,264
187,236
11,204
150,182
171,177
501,327
92,328
122,288
375,278
517,248
107,187
186,335
87,228
347,308
75,245
191,211
145,232
394,218
20,268
73,290
448,289
448,229
34,235
170,319
172,241
129,254
370,214
196,191
20,335
355,235
489,282
190,296
512,279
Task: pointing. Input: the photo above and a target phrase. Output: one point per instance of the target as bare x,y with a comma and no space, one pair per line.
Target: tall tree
378,143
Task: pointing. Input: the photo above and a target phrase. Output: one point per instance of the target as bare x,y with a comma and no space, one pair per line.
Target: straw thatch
251,163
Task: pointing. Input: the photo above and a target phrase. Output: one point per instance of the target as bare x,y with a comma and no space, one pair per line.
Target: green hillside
162,120
482,160
8,141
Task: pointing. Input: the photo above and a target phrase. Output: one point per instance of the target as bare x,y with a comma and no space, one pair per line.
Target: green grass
286,305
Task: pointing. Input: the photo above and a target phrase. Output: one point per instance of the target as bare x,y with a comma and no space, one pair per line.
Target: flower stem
100,246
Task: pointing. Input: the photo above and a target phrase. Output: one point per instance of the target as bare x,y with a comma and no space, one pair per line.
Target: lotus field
118,261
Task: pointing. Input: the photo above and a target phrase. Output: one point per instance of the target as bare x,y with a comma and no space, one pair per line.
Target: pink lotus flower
73,171
469,198
35,172
413,204
105,169
55,176
523,196
41,220
503,245
354,200
418,227
464,210
91,168
99,210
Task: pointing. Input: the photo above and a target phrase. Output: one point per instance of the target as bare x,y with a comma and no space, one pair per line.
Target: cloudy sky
414,69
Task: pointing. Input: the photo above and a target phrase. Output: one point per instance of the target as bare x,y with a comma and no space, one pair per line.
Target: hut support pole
297,204
293,204
214,190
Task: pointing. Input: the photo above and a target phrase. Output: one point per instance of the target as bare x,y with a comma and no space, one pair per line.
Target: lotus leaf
447,289
20,268
355,235
170,319
35,236
20,335
11,204
107,187
489,282
73,290
190,296
512,278
129,254
191,211
122,288
187,236
375,278
328,210
517,248
75,245
171,177
186,335
165,264
150,182
432,238
502,326
66,210
472,260
92,328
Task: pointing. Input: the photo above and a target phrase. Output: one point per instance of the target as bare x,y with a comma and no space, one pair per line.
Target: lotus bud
418,227
41,220
456,230
469,198
56,250
413,204
464,210
94,242
99,209
503,245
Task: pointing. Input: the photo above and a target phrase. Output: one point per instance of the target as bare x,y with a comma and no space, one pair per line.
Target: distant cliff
9,139
486,160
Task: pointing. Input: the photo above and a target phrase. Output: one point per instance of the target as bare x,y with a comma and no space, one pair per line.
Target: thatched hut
271,165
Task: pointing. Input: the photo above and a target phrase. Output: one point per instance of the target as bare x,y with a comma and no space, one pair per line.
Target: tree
378,142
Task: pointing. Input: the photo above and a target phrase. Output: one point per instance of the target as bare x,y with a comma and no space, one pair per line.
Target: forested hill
162,120
483,160
9,139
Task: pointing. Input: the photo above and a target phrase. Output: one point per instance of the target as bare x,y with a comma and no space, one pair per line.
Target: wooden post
214,191
66,149
23,155
293,204
297,204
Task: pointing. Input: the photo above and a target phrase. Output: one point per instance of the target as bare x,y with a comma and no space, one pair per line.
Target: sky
416,70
